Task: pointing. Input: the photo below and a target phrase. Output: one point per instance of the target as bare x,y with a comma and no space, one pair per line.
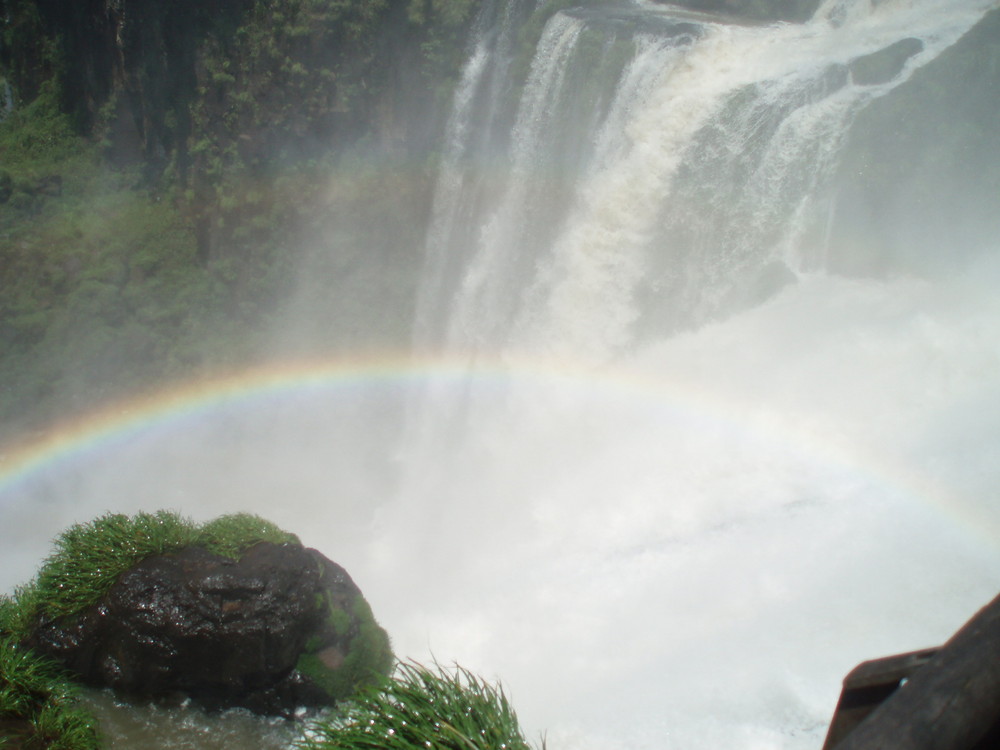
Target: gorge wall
177,179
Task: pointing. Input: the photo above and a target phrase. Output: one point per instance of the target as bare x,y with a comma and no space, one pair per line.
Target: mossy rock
232,613
349,650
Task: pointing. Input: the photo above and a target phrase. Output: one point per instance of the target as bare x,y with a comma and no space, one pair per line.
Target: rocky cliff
166,167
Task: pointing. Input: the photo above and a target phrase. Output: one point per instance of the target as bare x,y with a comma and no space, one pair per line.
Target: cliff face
918,188
211,91
754,10
177,175
166,164
150,62
96,48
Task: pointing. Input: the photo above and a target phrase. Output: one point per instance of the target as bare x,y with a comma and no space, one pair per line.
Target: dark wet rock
6,186
884,65
281,627
753,10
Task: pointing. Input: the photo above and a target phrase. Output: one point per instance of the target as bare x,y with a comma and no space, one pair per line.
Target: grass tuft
420,708
37,696
232,535
89,558
60,726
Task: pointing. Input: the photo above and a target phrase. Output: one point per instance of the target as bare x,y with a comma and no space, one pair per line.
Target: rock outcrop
280,627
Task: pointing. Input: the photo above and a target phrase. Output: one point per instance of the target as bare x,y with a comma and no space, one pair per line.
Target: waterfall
683,476
471,134
661,171
665,471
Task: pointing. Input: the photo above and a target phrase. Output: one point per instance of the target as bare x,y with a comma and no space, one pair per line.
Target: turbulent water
651,463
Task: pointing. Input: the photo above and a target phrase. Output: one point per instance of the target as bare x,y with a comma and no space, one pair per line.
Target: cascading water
665,475
688,478
662,171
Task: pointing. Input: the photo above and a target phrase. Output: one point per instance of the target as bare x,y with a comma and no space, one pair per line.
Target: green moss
424,708
334,617
333,682
369,652
233,534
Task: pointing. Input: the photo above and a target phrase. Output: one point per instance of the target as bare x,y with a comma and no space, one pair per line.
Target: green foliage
37,136
103,283
119,274
26,678
35,693
16,611
272,96
421,708
89,557
232,535
62,727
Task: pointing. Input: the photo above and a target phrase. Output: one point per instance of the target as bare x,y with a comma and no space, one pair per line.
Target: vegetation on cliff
164,166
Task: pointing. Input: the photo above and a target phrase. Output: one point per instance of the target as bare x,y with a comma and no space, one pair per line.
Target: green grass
232,535
420,708
89,557
38,703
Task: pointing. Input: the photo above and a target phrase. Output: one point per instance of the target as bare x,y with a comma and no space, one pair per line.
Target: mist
667,473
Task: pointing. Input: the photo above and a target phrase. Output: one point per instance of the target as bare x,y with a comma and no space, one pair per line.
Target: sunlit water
662,526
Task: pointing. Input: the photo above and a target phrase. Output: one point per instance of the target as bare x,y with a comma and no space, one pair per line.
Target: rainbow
249,388
120,420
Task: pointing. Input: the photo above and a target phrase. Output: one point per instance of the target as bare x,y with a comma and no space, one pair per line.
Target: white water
748,119
659,541
686,540
647,560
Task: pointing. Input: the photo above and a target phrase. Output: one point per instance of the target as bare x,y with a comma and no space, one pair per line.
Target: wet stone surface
223,632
